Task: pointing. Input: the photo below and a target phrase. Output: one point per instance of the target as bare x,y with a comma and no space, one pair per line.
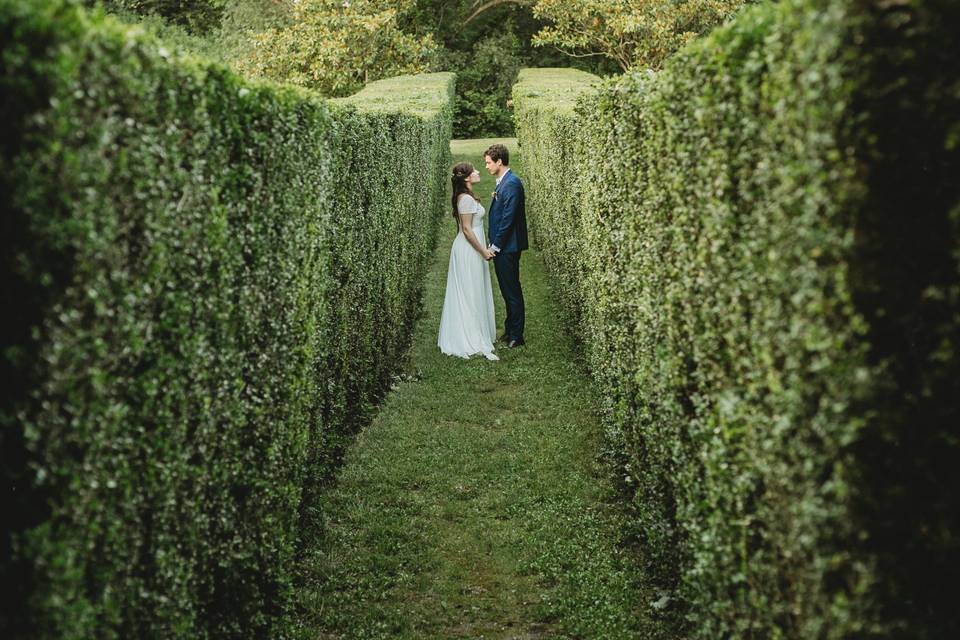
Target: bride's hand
488,254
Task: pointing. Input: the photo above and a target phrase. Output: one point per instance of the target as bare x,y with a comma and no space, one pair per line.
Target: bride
467,324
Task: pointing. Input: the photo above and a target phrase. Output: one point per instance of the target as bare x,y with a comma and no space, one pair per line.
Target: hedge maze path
475,504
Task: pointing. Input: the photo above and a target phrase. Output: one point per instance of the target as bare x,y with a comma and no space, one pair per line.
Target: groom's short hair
498,152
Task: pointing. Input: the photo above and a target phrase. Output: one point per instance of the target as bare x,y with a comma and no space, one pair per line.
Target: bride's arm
466,208
466,219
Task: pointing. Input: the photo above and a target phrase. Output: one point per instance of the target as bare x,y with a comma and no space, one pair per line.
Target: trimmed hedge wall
207,284
760,249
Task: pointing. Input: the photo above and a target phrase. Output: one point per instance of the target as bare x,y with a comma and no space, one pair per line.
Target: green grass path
476,505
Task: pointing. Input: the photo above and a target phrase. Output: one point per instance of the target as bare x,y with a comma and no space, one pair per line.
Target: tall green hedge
760,246
206,283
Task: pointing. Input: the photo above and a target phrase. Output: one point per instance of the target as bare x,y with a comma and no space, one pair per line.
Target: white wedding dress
467,324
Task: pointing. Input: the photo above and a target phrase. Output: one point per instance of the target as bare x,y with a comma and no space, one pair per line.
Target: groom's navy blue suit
508,233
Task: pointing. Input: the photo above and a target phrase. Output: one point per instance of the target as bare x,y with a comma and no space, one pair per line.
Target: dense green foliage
486,44
209,282
485,77
334,47
228,43
759,248
631,33
198,16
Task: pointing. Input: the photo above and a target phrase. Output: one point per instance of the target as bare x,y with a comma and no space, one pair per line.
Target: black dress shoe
504,339
515,342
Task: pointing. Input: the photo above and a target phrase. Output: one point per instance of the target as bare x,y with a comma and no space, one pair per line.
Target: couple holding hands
467,324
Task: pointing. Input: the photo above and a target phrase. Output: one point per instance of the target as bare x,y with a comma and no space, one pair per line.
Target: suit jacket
508,218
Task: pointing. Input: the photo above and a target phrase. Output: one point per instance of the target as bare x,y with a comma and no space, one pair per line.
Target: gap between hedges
478,503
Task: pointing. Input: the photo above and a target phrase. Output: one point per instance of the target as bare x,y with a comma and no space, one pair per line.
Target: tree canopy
335,46
632,33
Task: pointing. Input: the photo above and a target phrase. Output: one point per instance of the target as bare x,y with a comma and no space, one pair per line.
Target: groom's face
493,167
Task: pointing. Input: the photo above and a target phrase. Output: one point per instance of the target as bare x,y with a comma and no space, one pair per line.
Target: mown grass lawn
476,504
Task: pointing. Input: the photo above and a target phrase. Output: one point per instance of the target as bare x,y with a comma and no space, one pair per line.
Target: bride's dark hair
461,171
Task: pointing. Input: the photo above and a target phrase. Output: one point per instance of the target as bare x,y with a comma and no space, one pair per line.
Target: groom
508,237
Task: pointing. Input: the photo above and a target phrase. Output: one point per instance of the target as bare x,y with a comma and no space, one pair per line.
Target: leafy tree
461,25
335,46
486,42
485,78
630,32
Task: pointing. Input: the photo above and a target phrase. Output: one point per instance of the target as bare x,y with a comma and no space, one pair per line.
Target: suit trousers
507,267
